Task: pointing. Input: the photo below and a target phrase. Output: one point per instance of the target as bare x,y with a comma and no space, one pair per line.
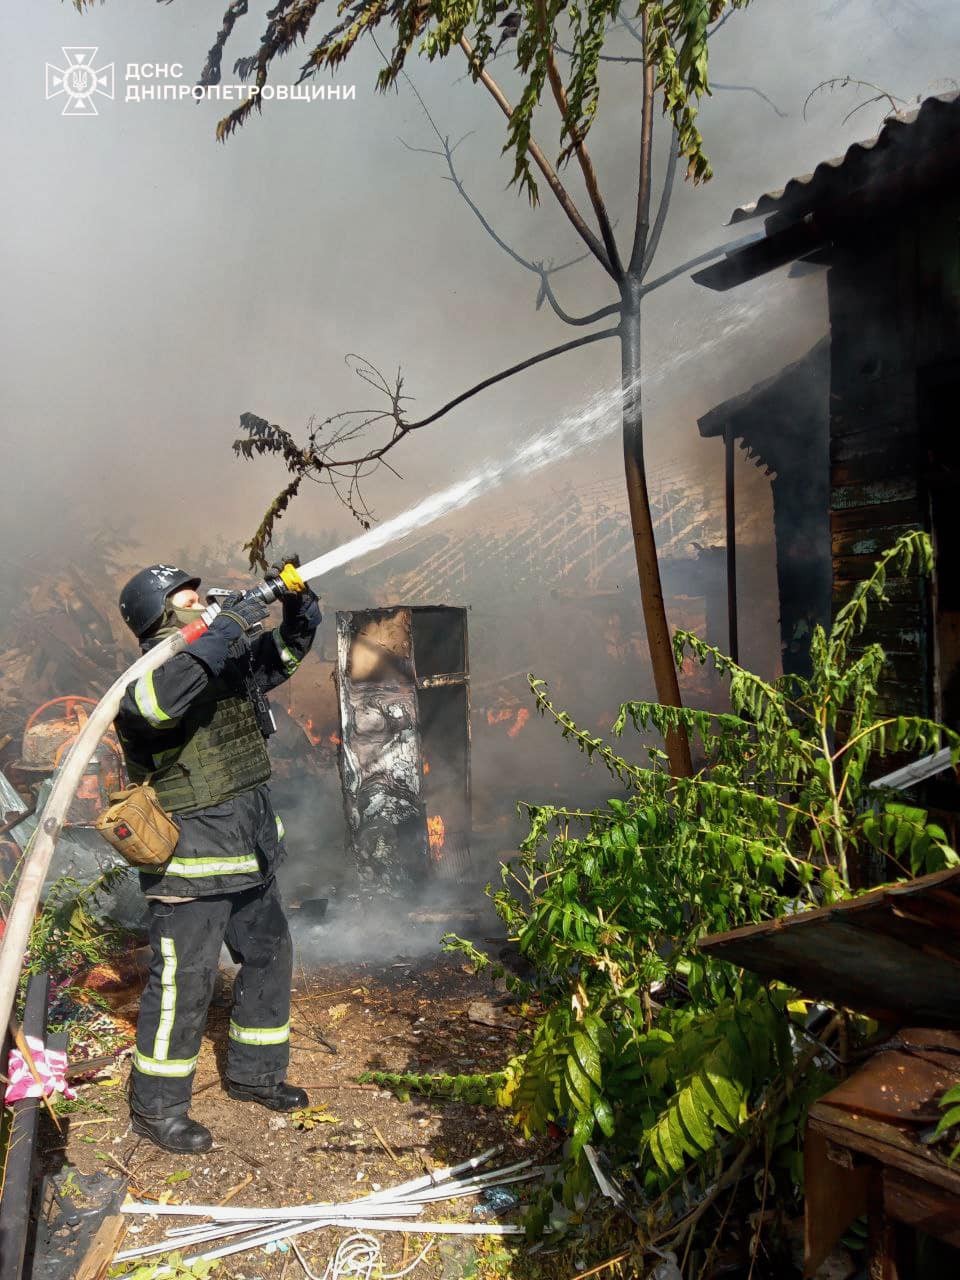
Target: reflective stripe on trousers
186,938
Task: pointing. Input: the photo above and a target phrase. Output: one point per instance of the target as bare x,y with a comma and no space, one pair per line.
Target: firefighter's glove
301,609
241,613
277,569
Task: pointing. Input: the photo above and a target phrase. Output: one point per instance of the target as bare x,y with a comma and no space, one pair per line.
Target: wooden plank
887,440
892,637
867,543
824,952
830,962
911,926
921,1206
835,1194
904,668
900,700
884,1239
896,462
874,493
103,1246
884,1143
897,591
878,517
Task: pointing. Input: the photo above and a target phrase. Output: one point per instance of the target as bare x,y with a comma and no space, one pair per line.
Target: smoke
202,281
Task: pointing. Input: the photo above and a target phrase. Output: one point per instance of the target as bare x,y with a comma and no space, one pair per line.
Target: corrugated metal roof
893,953
876,159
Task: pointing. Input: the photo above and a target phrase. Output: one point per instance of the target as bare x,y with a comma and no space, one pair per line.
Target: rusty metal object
43,738
900,1086
47,741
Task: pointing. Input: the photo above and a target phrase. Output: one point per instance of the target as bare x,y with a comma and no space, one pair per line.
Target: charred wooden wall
895,316
783,424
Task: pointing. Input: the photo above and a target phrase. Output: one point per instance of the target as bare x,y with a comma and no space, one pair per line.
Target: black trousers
186,938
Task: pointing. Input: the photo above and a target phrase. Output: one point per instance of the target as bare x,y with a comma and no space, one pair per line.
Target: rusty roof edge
807,184
846,906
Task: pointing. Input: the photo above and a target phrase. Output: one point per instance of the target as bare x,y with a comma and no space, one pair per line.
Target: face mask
182,617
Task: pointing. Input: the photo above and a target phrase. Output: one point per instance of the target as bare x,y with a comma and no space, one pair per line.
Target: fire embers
49,734
436,835
513,718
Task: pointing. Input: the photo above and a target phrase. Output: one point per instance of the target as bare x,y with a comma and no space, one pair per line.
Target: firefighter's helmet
142,599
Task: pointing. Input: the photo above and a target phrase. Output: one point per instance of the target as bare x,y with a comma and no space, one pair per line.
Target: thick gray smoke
157,286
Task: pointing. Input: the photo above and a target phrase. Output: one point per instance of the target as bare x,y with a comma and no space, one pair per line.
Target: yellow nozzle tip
291,579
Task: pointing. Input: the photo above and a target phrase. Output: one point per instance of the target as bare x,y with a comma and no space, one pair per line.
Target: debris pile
395,1209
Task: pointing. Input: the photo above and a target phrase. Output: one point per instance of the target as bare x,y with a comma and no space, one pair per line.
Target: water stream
590,424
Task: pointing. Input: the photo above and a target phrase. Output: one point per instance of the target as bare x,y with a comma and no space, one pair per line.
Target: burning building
883,219
783,425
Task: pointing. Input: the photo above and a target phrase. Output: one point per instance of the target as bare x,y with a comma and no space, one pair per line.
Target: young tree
559,47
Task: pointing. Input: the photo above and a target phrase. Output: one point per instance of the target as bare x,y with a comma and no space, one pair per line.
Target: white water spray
598,418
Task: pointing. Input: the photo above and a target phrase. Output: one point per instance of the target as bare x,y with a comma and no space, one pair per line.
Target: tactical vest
215,752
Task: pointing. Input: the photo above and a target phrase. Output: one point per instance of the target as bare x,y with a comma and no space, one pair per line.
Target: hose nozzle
275,585
271,588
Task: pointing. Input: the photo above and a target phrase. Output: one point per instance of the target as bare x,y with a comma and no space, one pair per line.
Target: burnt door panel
380,761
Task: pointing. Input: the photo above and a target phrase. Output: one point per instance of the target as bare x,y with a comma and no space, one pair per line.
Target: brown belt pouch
138,827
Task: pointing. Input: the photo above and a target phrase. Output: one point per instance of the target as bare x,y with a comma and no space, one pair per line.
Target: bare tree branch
665,195
577,142
537,268
318,460
642,228
563,197
750,88
709,256
842,82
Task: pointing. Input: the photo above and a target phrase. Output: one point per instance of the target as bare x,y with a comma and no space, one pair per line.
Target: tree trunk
648,569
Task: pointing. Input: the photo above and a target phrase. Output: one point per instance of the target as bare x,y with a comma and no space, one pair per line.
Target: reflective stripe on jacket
222,849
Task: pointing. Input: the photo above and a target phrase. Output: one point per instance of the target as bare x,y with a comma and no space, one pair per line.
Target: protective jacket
195,728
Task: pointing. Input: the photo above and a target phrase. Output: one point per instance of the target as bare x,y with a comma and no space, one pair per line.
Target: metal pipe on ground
21,1147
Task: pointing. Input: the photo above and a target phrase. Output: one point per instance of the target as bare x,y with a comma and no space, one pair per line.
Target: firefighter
195,729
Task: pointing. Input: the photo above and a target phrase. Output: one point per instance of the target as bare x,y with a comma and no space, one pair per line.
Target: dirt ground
398,1016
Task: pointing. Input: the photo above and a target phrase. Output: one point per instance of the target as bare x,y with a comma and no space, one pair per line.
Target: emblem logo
80,80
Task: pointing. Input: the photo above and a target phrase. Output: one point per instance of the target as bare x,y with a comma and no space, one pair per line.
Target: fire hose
39,851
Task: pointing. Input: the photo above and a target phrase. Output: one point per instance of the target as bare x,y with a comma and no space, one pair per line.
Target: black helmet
143,598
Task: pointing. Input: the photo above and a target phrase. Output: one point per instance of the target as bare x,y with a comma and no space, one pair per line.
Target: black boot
173,1133
277,1097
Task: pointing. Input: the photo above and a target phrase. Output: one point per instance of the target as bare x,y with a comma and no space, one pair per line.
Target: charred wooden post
730,502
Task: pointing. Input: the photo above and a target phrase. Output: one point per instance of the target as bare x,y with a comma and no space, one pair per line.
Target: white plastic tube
36,859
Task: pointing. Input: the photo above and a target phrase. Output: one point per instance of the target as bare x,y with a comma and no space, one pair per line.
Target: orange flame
435,837
501,715
315,738
334,739
523,715
426,767
495,716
